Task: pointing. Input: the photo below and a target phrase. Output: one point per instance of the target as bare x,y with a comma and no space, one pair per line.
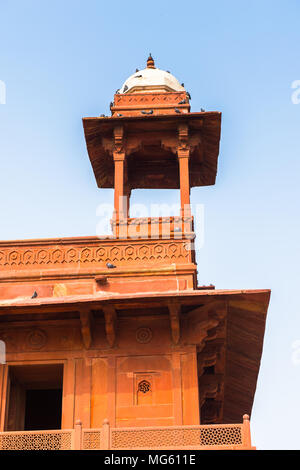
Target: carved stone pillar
119,199
183,153
4,395
127,193
121,196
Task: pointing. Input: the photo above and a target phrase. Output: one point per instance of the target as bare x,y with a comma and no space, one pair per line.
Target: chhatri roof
150,107
151,79
204,157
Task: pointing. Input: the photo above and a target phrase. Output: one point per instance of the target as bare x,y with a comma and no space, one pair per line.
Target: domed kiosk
152,140
151,79
150,91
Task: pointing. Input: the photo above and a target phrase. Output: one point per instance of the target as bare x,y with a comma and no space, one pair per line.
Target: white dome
151,79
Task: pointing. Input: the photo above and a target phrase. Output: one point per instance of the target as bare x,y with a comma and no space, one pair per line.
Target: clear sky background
62,60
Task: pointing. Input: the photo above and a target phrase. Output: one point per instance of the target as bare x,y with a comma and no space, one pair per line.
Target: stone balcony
203,437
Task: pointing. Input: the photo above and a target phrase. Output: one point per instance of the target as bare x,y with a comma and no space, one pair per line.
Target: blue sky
61,61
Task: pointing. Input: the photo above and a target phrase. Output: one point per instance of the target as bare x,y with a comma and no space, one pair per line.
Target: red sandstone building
110,342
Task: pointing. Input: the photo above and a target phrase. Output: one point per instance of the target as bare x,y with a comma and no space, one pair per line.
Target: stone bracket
209,386
86,320
216,309
174,314
119,140
183,138
110,316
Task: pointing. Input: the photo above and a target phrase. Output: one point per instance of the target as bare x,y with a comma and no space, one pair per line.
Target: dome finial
150,62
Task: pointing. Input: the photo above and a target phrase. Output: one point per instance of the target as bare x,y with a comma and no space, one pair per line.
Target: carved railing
216,436
154,227
37,440
182,437
91,439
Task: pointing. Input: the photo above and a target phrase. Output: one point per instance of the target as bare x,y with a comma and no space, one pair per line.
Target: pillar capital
183,148
119,156
118,139
183,153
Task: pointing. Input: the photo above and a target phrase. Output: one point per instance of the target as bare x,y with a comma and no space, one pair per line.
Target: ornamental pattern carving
176,437
37,440
144,386
91,440
50,256
148,98
143,335
36,339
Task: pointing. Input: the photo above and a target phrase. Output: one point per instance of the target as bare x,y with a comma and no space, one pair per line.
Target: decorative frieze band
29,256
148,98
